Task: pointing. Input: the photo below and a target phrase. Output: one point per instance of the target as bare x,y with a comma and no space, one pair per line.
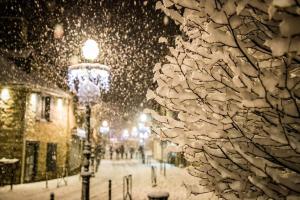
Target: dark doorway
31,161
51,157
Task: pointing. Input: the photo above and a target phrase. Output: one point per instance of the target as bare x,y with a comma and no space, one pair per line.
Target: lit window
59,104
33,102
46,108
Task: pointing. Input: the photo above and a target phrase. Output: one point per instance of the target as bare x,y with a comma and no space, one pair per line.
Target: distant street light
87,81
143,118
104,128
144,130
105,123
134,132
125,134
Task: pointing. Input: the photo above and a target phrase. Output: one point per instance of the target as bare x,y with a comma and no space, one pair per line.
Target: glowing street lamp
125,134
134,132
88,81
90,50
105,123
143,118
144,130
104,128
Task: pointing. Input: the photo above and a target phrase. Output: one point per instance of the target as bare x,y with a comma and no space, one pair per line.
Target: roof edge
39,89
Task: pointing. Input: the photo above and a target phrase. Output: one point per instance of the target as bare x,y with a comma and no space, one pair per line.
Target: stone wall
21,122
56,131
12,109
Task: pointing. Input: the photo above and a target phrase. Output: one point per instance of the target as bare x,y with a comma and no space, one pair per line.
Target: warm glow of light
90,49
141,126
58,31
5,94
104,128
144,135
134,132
59,104
125,133
81,133
113,140
143,117
105,123
33,101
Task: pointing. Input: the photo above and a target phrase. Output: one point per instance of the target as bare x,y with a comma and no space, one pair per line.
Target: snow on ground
114,170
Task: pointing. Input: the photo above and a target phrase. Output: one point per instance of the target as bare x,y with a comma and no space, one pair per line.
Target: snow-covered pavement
114,170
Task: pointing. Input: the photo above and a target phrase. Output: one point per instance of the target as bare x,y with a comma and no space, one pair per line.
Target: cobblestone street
114,170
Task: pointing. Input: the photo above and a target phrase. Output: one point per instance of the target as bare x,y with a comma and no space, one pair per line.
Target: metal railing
8,173
127,187
61,177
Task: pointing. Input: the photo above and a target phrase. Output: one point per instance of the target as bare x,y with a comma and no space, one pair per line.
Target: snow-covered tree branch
233,82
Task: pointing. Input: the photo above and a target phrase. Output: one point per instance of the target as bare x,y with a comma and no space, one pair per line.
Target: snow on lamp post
88,81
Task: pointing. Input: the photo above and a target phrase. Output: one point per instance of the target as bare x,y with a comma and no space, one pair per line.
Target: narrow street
114,170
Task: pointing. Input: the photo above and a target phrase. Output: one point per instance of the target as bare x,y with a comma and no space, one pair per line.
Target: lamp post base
85,195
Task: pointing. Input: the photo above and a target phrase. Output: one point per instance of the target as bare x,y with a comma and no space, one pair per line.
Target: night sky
127,32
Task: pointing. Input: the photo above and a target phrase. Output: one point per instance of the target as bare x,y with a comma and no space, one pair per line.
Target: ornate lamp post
87,81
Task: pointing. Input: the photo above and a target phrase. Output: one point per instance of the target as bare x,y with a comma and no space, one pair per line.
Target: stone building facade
36,126
36,118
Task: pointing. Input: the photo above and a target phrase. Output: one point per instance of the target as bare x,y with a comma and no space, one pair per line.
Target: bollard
51,196
57,180
62,177
165,169
66,175
129,184
161,166
143,158
12,178
109,190
153,176
46,179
